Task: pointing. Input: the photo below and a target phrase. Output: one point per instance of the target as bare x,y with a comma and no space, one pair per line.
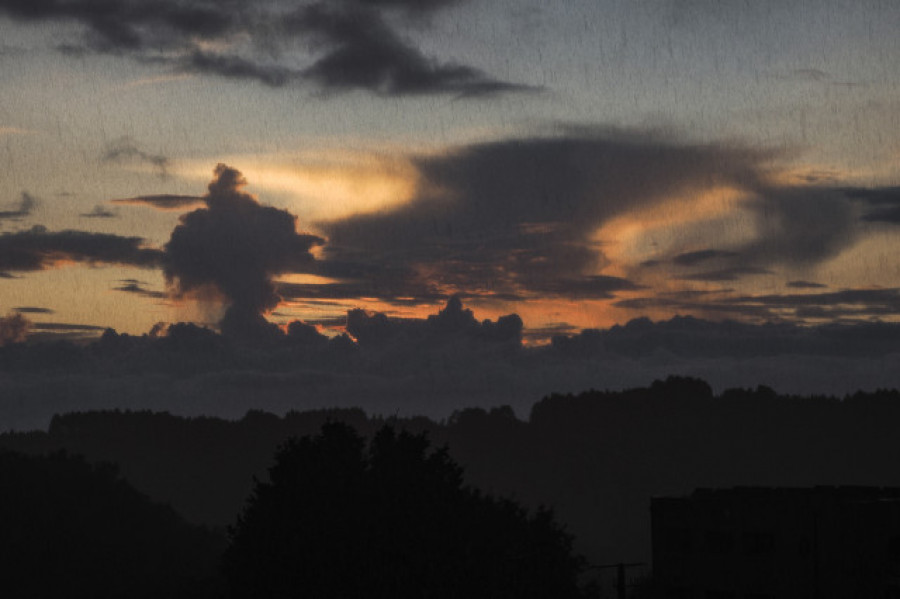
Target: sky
581,164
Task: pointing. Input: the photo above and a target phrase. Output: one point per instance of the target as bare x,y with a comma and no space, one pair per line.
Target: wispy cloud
100,211
125,149
163,202
26,205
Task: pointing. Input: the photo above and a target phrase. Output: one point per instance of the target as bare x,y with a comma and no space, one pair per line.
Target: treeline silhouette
340,518
596,457
336,517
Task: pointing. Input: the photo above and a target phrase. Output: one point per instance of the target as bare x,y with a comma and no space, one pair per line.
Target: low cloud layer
846,305
432,366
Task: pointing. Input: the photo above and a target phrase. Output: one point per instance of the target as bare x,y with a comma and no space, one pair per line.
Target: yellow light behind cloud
648,232
324,185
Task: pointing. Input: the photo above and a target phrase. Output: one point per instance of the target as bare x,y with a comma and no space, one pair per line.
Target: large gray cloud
519,216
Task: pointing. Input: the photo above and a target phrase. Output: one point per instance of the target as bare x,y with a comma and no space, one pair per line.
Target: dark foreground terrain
596,458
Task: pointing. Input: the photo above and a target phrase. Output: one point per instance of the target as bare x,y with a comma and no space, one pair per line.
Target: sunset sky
580,163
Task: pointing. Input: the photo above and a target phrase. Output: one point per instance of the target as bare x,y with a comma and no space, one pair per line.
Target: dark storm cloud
100,211
354,45
519,216
238,246
26,205
363,52
163,202
124,149
38,248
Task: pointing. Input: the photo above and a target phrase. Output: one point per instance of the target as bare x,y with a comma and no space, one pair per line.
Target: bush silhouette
340,518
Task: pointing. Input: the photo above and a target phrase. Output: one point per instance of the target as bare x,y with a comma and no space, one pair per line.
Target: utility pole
621,587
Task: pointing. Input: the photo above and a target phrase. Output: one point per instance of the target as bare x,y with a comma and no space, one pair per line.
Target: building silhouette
767,543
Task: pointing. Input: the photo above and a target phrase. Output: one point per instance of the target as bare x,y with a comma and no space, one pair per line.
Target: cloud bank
432,366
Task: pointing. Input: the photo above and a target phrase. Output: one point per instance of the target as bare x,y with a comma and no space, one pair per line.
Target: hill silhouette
72,529
596,457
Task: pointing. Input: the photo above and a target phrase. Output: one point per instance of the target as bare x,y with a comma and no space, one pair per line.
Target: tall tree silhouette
340,518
